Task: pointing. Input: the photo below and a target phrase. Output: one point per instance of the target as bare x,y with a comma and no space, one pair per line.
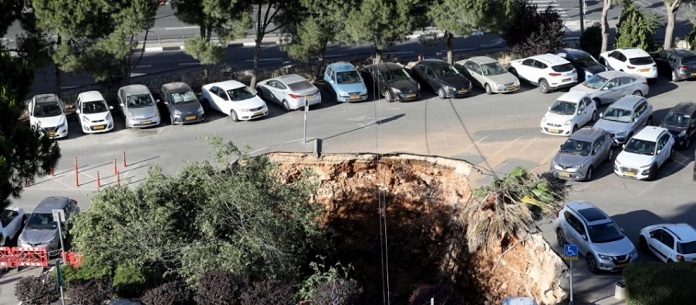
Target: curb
181,48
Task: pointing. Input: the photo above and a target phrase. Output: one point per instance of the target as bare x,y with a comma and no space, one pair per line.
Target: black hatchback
445,80
584,63
392,82
681,123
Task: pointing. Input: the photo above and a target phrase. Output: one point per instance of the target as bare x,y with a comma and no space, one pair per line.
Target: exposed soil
423,198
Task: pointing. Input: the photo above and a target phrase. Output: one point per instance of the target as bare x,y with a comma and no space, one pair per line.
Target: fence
23,256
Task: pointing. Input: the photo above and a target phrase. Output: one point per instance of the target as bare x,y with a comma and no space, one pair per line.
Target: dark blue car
584,63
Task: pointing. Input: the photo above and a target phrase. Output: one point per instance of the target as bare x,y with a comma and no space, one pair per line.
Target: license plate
566,79
554,130
51,133
511,88
309,97
411,95
644,70
565,175
99,127
190,117
629,174
461,91
693,74
355,97
258,113
145,122
621,265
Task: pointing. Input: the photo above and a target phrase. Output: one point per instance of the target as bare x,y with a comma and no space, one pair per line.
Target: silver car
582,153
40,230
607,87
138,107
290,91
626,117
598,237
488,74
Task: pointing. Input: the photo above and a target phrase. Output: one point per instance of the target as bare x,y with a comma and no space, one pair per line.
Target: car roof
342,66
47,205
432,62
176,86
481,60
683,231
386,66
614,73
573,52
627,102
684,52
633,52
550,59
135,89
46,98
572,96
684,108
587,134
290,78
588,211
227,85
649,133
90,96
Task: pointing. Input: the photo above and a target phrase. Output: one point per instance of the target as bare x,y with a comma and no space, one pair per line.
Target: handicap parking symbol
570,252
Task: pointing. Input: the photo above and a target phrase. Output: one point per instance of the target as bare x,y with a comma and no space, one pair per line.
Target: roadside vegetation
659,283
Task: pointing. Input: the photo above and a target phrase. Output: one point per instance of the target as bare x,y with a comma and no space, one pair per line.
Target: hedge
660,283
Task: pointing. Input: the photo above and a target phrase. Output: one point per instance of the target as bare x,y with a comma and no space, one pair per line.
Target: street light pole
59,218
582,15
306,109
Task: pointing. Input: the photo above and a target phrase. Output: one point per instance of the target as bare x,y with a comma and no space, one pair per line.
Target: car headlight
343,94
363,92
620,134
395,90
602,256
85,120
109,117
634,253
448,88
200,109
588,73
177,112
683,133
543,119
500,86
568,122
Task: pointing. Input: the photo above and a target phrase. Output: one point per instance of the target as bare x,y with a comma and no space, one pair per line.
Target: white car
47,112
669,242
234,99
548,71
12,220
93,112
569,112
290,91
644,153
630,60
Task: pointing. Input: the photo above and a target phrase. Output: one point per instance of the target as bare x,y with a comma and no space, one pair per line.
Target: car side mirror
635,120
659,151
165,102
111,107
605,88
158,100
623,146
77,111
331,81
584,237
601,114
121,104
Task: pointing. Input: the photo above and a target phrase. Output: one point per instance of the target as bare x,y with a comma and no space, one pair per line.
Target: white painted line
137,74
182,28
154,49
189,63
249,44
144,66
400,52
266,59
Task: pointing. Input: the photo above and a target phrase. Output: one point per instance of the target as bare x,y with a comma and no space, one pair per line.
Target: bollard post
77,174
98,181
26,182
53,174
124,159
118,178
115,168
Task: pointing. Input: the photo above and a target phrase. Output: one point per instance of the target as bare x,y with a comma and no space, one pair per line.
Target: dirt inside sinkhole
425,228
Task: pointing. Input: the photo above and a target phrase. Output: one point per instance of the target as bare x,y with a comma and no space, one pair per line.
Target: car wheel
171,119
389,96
650,121
588,175
675,77
233,116
441,93
597,103
670,261
610,155
671,154
592,264
286,106
643,244
687,143
560,237
488,89
595,116
544,86
638,93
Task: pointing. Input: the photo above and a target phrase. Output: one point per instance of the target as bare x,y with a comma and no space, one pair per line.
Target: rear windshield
687,248
641,60
563,68
301,85
689,60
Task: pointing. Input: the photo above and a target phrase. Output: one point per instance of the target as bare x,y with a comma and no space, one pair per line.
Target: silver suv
626,117
599,238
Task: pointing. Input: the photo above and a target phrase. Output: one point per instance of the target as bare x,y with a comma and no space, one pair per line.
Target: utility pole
59,218
582,15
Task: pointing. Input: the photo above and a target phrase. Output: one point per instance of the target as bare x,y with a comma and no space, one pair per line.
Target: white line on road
144,66
182,28
189,63
266,59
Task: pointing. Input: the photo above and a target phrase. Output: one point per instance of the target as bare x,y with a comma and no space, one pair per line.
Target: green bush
591,40
93,291
86,271
130,281
660,284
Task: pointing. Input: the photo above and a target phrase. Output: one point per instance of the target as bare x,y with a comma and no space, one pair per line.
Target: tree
636,28
591,40
461,17
606,5
672,6
532,32
380,23
24,152
9,12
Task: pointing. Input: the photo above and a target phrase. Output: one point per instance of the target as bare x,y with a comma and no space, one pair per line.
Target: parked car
47,112
392,81
519,301
645,153
681,122
630,60
93,113
607,87
582,154
569,112
600,240
585,64
138,107
442,78
345,82
669,242
550,72
234,99
488,74
182,103
678,64
41,231
12,220
290,91
625,117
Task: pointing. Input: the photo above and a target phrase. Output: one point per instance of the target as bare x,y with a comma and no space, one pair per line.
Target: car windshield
395,75
677,119
41,221
446,71
140,101
604,233
182,97
94,107
618,115
493,68
595,82
563,68
348,77
576,147
47,109
240,94
642,147
300,86
641,60
586,61
563,107
686,248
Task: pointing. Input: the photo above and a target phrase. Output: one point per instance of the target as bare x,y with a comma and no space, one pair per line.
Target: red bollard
115,168
52,172
118,178
26,182
124,159
98,181
77,175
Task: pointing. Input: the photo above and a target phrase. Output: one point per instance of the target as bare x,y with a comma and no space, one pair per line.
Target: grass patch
660,283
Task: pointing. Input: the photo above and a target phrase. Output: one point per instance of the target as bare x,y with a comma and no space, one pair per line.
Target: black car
182,103
443,78
681,123
584,63
392,82
679,64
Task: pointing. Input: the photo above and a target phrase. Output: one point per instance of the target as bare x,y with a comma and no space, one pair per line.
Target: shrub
86,271
220,288
532,32
636,28
172,293
39,290
591,40
129,281
268,292
347,291
659,283
91,292
442,293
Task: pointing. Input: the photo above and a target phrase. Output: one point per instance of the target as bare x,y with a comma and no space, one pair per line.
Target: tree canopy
532,32
636,28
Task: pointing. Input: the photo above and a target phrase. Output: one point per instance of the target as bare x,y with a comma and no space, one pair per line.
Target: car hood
191,107
405,85
595,69
144,112
349,88
49,121
36,237
251,103
503,79
557,118
674,130
96,116
569,160
615,248
634,160
457,81
582,88
612,126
